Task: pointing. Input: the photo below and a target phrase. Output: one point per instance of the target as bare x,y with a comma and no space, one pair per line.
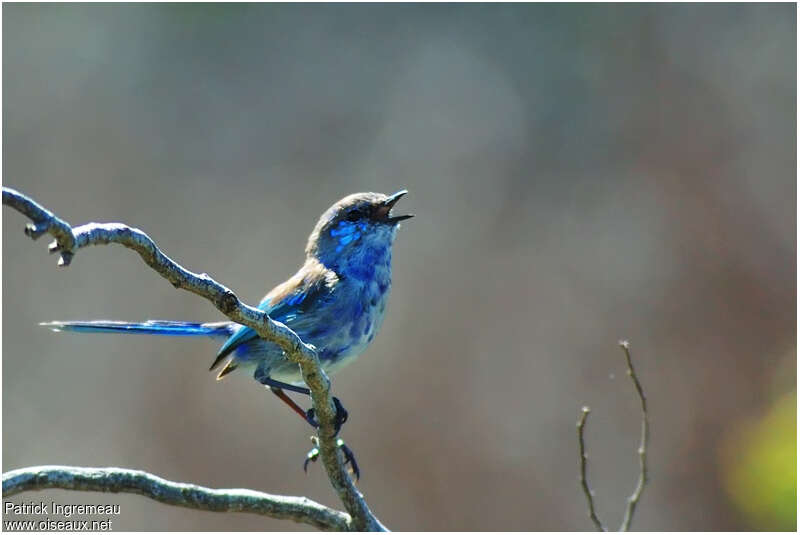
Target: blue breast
342,327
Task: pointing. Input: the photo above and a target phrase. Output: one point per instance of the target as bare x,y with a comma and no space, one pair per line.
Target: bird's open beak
389,203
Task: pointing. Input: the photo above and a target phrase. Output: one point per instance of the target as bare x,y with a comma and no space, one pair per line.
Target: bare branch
584,482
69,240
44,222
181,494
633,499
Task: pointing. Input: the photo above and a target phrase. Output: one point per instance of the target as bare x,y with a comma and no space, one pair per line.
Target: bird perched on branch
336,301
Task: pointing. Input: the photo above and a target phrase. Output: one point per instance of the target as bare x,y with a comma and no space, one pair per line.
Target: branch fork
633,499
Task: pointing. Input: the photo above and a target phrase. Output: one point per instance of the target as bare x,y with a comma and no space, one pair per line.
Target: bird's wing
288,303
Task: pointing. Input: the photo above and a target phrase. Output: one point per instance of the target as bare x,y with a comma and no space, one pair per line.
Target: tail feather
153,327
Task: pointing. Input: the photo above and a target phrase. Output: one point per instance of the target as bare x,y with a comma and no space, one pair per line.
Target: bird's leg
290,402
313,455
277,387
308,416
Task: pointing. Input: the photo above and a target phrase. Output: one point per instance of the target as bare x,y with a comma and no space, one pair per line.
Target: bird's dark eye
355,215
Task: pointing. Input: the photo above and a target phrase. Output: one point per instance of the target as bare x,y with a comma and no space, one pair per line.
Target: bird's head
356,230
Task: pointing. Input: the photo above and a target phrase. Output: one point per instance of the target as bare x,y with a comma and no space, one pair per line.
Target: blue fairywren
336,301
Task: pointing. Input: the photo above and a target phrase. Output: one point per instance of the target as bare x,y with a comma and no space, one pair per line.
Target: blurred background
580,174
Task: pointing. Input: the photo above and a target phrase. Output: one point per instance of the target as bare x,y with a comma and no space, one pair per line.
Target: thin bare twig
169,492
633,499
584,482
69,240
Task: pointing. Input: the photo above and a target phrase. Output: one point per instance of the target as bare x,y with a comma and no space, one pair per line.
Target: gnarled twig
69,240
181,494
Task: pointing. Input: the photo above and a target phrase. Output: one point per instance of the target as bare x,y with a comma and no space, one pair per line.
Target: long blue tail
166,328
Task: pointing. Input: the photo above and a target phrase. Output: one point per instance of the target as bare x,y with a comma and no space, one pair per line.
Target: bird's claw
341,416
349,456
312,455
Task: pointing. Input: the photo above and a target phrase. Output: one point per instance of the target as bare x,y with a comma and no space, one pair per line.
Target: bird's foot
349,456
341,416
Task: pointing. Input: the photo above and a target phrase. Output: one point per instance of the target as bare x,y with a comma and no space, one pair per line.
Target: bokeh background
581,174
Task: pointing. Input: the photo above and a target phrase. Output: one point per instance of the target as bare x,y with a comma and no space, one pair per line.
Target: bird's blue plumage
336,301
159,327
